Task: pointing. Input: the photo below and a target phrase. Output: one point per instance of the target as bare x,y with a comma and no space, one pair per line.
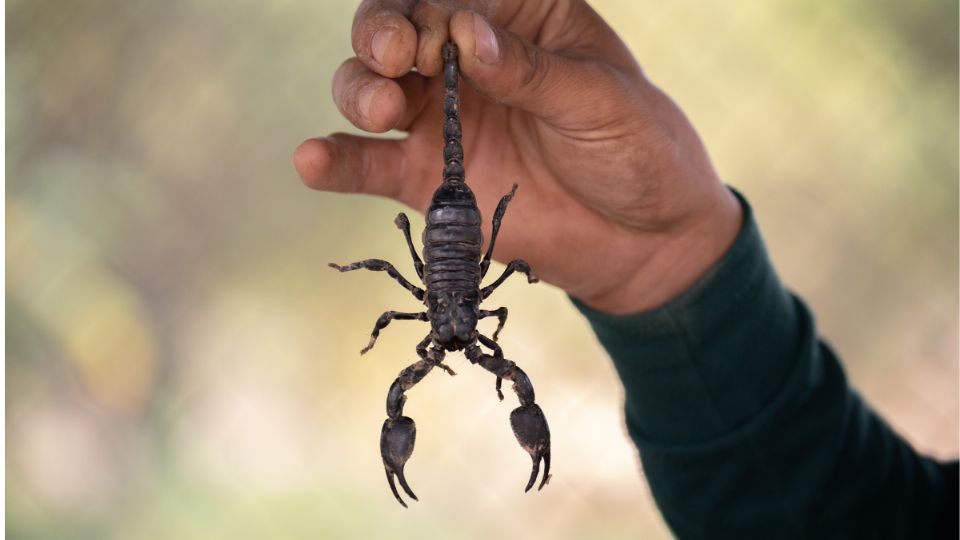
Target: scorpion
452,271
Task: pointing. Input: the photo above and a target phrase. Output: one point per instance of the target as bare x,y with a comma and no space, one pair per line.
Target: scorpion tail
452,131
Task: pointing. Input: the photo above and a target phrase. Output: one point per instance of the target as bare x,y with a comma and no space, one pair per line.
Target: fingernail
381,42
365,99
485,45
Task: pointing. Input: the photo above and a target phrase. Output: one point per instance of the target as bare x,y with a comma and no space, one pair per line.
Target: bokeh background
182,364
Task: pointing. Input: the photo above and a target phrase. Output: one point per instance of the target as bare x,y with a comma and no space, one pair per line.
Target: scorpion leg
497,218
490,344
378,265
385,319
528,422
499,313
399,433
498,352
403,224
516,265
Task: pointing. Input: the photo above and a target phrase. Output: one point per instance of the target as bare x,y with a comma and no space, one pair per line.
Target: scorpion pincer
451,271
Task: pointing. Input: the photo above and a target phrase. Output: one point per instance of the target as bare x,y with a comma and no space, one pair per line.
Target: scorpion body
452,270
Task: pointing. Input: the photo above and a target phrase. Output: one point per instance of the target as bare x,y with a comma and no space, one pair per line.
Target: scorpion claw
546,471
530,427
393,488
396,444
405,486
533,474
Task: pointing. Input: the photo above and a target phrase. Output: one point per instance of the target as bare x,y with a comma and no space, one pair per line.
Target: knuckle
347,81
341,78
370,16
536,66
428,14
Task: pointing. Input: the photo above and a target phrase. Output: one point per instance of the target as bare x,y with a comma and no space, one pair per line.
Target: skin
618,204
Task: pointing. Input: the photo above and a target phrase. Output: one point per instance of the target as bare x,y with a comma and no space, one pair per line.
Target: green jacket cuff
710,359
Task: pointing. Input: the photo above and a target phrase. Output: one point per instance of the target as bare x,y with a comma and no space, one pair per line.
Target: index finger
383,36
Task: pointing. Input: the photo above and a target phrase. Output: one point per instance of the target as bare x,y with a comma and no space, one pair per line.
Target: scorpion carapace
451,271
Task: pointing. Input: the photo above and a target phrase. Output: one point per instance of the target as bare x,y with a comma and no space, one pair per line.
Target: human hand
618,202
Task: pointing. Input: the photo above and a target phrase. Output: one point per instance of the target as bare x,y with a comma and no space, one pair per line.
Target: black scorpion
452,273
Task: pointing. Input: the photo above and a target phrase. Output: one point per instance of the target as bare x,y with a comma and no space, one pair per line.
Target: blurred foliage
180,364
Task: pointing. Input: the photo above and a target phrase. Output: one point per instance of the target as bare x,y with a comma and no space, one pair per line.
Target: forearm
744,420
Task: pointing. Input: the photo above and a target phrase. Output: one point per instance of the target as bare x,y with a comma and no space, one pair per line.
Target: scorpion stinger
451,271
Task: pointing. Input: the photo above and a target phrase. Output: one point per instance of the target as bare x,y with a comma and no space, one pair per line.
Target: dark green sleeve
746,424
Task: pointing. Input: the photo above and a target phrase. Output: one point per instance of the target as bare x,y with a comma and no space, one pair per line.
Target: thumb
351,164
508,69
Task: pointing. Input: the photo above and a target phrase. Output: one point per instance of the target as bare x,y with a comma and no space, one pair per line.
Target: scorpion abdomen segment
444,233
449,212
452,240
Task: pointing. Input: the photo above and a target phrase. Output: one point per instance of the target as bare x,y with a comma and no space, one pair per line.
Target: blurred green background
182,364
